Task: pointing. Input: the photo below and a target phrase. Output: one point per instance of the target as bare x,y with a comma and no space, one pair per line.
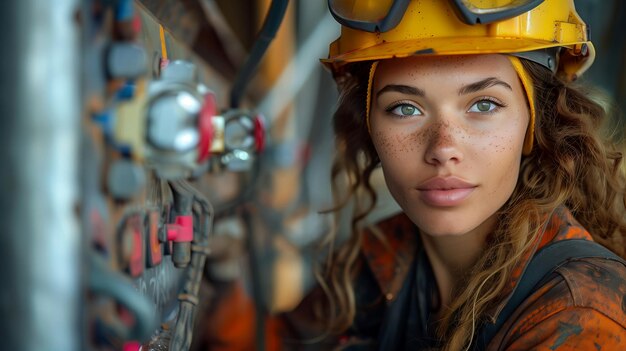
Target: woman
493,155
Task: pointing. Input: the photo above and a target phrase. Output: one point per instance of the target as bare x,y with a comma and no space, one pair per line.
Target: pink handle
181,230
132,346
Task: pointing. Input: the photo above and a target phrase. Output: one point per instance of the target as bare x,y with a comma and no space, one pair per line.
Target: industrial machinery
137,144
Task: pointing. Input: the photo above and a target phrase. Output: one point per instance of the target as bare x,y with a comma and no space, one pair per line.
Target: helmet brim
449,46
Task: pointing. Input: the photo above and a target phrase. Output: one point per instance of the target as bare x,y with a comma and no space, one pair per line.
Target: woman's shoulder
584,302
598,284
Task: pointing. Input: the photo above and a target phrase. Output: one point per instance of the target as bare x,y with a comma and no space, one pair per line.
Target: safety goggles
384,15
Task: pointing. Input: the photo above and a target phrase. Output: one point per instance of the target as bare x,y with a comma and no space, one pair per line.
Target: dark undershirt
406,323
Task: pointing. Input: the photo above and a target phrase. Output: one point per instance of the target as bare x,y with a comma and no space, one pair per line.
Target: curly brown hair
573,163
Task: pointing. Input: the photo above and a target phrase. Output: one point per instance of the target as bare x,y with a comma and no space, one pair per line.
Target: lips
445,191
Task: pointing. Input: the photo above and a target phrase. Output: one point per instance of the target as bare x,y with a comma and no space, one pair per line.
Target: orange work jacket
582,307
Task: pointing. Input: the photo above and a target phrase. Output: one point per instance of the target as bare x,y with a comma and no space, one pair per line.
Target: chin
442,224
443,230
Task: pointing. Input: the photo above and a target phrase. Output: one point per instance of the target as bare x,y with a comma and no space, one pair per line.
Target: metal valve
172,124
179,129
243,137
183,129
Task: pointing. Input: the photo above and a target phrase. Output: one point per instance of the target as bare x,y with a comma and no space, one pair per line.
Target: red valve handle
205,126
259,132
181,230
132,346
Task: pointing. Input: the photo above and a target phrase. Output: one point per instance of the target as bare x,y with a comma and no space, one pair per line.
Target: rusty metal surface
187,21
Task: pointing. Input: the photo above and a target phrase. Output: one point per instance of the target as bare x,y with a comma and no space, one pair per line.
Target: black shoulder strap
545,261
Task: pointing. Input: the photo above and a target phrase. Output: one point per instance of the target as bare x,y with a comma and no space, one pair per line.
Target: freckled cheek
504,139
397,153
501,145
394,144
502,156
381,143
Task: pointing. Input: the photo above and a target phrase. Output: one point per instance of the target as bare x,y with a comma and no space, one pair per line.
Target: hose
268,32
182,332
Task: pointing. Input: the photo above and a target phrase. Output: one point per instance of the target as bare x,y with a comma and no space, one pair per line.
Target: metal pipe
40,246
299,72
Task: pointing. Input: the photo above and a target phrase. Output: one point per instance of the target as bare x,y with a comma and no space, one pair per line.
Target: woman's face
449,132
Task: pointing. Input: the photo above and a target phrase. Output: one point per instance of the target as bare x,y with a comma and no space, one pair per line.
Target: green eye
484,106
405,110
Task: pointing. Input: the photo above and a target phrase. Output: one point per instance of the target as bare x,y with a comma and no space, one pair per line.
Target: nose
443,146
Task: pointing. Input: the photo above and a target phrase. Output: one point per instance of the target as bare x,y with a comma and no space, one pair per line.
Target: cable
256,282
268,32
183,329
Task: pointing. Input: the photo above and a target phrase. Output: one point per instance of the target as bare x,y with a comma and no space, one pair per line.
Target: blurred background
121,225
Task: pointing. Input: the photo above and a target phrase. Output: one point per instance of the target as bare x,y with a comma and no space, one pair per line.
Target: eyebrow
483,84
404,89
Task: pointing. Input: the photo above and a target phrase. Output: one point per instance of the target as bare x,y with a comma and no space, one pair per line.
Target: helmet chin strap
527,85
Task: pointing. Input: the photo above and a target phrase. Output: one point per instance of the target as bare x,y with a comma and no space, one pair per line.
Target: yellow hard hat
549,32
